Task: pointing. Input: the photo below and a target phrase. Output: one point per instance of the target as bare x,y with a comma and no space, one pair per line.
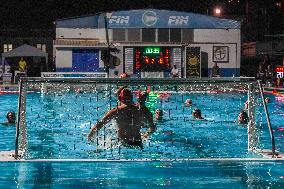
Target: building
149,43
40,38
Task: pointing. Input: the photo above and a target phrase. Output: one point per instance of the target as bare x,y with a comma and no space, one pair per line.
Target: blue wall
85,60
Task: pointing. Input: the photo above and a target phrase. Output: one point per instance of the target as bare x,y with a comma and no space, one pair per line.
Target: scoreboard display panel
152,59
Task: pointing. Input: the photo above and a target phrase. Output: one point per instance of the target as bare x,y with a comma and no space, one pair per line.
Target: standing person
261,73
269,75
215,70
22,65
175,72
129,121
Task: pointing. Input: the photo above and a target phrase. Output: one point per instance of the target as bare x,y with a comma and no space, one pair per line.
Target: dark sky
27,14
40,13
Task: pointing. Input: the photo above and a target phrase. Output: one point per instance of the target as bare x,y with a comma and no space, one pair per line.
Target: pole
18,120
268,120
108,47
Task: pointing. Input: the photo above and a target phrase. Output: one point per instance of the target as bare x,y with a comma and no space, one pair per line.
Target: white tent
25,51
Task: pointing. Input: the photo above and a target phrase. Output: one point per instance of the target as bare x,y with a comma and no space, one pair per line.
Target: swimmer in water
147,115
188,102
129,121
159,114
11,118
246,105
196,114
124,75
243,117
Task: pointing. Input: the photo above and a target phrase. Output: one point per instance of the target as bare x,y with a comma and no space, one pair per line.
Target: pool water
57,126
152,174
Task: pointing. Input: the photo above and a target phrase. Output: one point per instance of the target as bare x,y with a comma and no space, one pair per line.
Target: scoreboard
152,59
279,71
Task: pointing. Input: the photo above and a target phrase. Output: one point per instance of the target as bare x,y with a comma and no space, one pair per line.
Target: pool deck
7,155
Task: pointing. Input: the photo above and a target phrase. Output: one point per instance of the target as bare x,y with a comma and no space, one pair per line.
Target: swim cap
197,111
11,112
161,113
142,96
124,75
125,96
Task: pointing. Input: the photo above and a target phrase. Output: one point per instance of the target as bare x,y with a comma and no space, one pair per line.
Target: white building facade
149,43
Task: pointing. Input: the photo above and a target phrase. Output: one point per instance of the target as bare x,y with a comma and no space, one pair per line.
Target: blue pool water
154,174
57,125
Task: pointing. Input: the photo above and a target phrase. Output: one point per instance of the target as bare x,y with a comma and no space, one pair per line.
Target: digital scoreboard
152,59
279,71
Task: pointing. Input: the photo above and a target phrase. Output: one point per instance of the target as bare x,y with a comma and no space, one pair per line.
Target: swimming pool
58,122
152,174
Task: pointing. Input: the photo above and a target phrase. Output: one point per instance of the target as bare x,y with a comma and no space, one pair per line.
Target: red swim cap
125,96
124,75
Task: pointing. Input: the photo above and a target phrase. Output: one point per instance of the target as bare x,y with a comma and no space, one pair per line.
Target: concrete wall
203,38
63,59
81,33
207,38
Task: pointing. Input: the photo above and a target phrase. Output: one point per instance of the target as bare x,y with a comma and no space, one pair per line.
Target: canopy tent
25,51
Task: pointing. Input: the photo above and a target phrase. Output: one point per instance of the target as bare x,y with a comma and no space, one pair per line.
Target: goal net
56,115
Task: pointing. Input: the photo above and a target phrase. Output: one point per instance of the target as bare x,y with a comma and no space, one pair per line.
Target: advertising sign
193,62
153,18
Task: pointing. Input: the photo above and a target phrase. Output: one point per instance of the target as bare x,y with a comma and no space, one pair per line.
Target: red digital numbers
279,69
166,57
163,58
137,60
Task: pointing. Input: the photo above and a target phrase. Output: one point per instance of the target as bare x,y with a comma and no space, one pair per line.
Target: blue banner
153,18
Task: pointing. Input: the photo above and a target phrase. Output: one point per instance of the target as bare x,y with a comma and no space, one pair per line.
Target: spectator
22,65
261,73
215,70
269,75
175,72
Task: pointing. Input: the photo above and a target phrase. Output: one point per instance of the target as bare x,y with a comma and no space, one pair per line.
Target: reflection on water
155,174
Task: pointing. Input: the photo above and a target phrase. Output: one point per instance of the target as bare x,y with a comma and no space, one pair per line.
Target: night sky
27,14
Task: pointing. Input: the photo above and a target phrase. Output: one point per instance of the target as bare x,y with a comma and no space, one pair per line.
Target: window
175,35
41,47
118,34
187,35
7,47
134,35
163,35
148,35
